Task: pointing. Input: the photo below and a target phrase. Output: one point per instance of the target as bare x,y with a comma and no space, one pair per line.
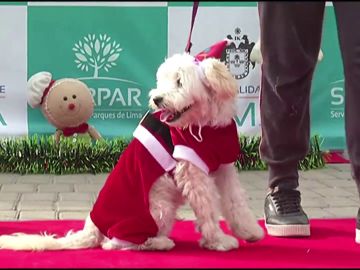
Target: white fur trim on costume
188,154
36,86
155,148
228,41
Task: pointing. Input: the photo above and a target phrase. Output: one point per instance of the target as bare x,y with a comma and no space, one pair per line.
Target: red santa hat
38,87
214,51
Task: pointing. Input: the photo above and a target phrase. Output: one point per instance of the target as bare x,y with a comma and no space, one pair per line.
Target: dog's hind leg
200,191
234,204
165,198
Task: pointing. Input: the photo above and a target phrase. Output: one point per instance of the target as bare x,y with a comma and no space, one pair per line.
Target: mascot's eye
65,98
74,96
178,82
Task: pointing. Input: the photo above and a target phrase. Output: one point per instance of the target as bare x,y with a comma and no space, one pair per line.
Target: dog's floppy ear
220,79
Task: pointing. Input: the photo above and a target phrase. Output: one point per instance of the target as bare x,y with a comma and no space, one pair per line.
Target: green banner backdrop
327,103
116,48
115,51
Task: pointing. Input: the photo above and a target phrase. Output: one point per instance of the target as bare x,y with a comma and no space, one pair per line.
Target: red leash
194,11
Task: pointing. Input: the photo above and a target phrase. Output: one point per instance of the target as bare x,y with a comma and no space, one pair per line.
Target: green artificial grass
41,155
250,157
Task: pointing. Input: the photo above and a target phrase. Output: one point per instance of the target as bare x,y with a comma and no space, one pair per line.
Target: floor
326,193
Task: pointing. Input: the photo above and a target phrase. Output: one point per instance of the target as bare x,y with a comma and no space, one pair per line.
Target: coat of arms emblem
237,57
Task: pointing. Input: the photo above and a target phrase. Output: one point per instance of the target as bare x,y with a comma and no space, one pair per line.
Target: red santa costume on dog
121,211
214,146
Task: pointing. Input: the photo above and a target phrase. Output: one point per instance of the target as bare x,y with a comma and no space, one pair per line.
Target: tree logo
97,52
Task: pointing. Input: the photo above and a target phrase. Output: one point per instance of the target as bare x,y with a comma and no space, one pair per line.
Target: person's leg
290,36
348,23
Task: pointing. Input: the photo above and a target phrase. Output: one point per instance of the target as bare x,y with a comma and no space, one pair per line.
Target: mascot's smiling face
68,104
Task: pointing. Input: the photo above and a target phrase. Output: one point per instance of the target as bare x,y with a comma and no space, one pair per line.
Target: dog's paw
157,243
223,242
248,232
257,235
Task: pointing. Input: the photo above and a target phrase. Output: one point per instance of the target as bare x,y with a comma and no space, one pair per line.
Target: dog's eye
65,98
178,82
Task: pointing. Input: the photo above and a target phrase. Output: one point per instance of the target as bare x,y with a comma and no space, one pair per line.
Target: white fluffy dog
189,93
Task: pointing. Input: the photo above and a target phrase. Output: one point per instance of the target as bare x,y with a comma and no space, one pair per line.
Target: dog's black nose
157,100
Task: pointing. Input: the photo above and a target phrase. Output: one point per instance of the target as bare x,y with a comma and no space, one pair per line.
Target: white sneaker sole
357,236
290,230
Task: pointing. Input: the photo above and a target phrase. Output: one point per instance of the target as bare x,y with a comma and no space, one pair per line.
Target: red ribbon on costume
83,128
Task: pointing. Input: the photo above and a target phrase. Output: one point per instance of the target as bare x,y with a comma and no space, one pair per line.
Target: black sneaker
357,231
284,215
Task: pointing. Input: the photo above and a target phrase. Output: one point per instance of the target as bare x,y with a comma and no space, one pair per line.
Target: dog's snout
157,100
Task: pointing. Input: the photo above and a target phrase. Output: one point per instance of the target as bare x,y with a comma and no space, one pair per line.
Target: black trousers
290,41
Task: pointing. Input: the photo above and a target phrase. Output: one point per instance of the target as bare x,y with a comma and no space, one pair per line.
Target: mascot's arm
94,134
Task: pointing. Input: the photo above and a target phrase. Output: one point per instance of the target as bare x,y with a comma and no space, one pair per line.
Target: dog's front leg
200,191
234,205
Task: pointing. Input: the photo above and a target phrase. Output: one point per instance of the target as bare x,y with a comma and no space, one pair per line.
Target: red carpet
330,246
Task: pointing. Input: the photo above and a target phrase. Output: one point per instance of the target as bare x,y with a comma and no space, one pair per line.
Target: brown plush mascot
66,103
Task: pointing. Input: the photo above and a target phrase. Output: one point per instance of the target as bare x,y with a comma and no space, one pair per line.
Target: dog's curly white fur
194,93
